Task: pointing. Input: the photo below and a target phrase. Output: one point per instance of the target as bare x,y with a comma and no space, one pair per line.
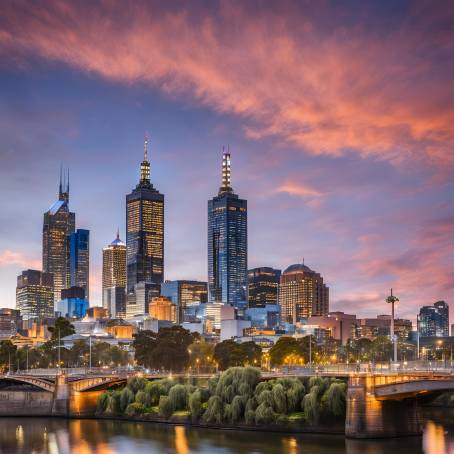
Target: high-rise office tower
114,277
145,231
227,243
58,224
35,295
262,286
185,294
302,294
79,260
434,320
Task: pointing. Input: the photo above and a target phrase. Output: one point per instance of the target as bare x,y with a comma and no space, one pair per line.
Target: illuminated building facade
114,278
145,231
162,308
73,303
227,243
35,295
263,286
302,294
79,260
58,224
185,294
434,320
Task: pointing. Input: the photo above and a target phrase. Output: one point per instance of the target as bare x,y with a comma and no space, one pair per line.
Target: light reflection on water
60,436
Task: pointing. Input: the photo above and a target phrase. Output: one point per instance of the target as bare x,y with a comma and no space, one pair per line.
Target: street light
392,300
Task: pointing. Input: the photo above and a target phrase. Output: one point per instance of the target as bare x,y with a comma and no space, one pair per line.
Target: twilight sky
339,116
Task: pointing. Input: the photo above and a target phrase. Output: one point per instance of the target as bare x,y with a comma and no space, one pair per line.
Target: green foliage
113,406
229,353
137,383
249,417
264,414
311,405
143,398
237,409
212,384
178,397
280,399
195,405
294,395
165,407
101,403
126,398
214,411
143,344
61,328
334,399
262,386
135,409
287,346
265,397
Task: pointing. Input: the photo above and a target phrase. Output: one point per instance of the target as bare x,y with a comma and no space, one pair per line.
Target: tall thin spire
60,188
226,182
145,165
118,233
67,183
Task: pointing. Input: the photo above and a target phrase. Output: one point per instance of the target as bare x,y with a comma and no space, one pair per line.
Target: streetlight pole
392,300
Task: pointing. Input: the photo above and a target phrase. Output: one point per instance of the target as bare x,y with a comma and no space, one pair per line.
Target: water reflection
60,436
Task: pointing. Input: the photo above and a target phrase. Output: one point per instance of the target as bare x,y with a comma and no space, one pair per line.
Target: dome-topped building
302,293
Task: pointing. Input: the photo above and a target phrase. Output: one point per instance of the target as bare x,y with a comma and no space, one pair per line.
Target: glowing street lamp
391,300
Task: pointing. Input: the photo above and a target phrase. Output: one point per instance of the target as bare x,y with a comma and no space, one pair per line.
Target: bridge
378,404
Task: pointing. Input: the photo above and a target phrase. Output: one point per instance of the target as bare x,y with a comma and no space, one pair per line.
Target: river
61,436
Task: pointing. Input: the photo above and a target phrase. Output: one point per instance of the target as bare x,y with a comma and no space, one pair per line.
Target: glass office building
185,294
227,243
58,224
434,320
73,303
263,286
302,294
145,231
35,295
79,260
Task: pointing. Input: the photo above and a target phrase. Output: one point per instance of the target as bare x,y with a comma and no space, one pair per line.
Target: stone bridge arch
97,383
42,384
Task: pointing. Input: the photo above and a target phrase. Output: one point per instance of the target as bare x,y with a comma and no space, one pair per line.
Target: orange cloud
326,90
299,190
9,258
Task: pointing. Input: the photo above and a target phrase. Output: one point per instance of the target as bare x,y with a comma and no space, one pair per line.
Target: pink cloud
13,258
299,190
326,91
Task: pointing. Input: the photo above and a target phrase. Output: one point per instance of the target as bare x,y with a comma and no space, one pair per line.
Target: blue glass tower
79,260
227,243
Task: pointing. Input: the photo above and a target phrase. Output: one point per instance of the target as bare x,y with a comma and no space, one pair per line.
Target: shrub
195,405
249,417
294,396
155,389
178,396
251,404
137,383
204,394
212,385
334,399
213,413
311,405
264,414
245,389
113,406
101,403
135,409
262,386
280,399
165,407
126,398
228,393
266,397
237,408
143,398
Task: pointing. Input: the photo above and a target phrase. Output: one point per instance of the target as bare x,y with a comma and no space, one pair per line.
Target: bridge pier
62,394
368,417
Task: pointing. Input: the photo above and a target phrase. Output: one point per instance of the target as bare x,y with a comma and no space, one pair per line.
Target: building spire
60,188
67,184
226,182
145,165
118,233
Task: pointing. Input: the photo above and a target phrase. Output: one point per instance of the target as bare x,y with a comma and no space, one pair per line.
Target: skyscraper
58,224
434,320
302,294
79,260
185,294
114,277
145,231
227,243
263,285
34,295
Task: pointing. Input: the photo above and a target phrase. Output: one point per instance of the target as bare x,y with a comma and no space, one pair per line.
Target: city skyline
369,209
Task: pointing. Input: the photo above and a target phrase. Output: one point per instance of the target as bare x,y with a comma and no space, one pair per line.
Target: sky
339,117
